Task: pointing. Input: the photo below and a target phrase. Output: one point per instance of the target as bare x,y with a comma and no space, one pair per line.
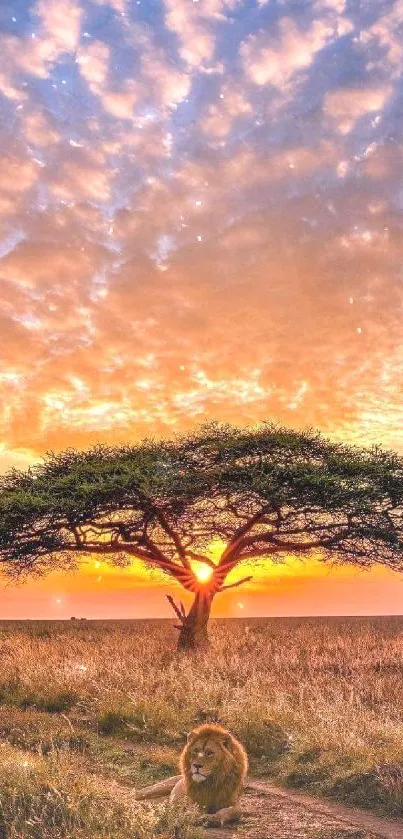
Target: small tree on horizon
264,492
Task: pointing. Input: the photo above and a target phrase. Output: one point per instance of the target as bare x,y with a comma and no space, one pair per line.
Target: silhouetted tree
262,491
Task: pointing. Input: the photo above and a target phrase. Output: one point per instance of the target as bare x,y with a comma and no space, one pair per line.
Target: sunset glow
200,218
203,572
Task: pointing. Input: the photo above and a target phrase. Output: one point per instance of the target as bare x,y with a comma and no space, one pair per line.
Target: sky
200,216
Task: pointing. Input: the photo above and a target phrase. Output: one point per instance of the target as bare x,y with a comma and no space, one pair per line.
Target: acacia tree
263,492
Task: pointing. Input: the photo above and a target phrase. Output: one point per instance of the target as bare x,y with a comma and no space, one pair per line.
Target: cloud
232,103
77,180
121,103
93,63
168,84
383,41
119,6
346,105
8,88
174,246
338,6
15,458
159,82
36,53
18,176
38,130
193,23
25,55
275,58
61,23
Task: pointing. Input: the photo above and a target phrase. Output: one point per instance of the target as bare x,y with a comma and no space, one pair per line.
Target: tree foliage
264,491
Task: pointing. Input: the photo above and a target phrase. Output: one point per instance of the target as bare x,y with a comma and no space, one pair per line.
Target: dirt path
274,813
270,812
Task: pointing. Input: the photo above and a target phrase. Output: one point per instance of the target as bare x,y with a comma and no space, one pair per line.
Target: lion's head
213,764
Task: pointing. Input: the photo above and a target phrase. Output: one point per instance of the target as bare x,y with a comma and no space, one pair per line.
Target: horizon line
74,619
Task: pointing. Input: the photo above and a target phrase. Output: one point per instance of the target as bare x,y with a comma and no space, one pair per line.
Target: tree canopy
263,491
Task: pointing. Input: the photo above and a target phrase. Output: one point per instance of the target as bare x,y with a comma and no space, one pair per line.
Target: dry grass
55,798
318,703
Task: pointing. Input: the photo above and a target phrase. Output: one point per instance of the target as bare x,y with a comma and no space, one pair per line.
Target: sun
203,572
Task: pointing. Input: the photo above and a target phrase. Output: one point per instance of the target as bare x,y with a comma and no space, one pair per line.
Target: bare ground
270,812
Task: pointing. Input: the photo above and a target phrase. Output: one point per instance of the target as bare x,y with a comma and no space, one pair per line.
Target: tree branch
76,533
234,585
179,610
108,548
273,547
232,545
201,558
174,536
276,546
168,529
183,575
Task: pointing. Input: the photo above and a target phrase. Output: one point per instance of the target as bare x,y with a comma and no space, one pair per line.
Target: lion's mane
223,787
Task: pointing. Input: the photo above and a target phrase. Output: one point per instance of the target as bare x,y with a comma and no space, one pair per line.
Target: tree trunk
193,633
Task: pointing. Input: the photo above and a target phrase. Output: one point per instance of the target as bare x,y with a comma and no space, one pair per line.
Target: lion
213,768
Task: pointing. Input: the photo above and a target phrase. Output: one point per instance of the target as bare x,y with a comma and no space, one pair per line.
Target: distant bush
58,702
15,692
111,722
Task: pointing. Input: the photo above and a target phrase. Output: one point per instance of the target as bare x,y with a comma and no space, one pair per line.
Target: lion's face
213,765
205,755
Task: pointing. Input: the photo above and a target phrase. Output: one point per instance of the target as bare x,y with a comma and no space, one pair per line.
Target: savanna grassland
89,710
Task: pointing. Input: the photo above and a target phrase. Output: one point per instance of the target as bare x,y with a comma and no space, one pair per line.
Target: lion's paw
213,820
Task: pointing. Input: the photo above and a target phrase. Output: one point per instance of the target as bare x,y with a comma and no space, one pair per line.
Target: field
89,710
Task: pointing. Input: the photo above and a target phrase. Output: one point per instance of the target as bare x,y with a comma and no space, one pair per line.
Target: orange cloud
178,243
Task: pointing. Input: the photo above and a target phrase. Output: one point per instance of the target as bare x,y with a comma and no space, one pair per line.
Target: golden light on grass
280,672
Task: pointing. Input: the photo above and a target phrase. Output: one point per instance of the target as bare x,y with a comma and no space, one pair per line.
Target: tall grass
317,703
56,799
